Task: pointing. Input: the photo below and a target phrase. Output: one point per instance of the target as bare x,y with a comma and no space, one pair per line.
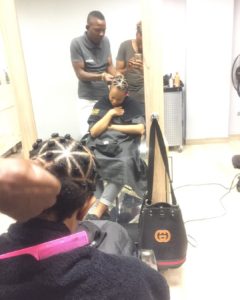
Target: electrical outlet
238,113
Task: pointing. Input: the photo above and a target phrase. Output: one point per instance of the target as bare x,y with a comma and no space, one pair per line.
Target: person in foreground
116,125
82,273
26,189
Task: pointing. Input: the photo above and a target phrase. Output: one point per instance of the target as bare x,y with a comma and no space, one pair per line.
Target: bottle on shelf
170,83
177,80
7,79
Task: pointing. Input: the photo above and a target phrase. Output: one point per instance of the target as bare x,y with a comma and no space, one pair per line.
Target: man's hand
107,77
26,189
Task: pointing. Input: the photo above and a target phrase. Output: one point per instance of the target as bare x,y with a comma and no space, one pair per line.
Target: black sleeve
95,115
154,283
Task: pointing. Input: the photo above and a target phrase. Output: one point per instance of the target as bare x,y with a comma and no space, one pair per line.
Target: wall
208,64
191,47
234,118
9,126
47,28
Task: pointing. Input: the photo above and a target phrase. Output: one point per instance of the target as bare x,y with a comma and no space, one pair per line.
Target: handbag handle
155,128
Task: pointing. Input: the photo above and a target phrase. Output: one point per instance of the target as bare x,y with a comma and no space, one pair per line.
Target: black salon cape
85,273
121,162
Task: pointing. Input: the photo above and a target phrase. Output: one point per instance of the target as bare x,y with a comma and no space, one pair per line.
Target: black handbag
161,226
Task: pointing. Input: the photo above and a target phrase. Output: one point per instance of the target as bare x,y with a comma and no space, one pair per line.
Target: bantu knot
49,155
60,168
51,143
35,146
54,135
62,140
79,146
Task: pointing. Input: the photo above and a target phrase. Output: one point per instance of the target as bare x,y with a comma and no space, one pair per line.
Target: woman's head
118,90
74,165
139,37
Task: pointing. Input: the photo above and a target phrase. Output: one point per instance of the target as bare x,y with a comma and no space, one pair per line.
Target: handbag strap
155,129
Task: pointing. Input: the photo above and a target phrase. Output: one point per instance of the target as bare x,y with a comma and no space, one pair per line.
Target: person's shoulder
77,40
131,101
126,43
106,42
6,243
123,264
103,103
106,39
138,274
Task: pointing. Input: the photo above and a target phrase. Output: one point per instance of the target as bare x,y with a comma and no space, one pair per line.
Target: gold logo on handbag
162,236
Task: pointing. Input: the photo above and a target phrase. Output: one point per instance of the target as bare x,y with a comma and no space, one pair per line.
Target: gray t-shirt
95,58
134,77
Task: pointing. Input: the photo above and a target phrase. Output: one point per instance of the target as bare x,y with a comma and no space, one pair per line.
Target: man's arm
26,189
111,69
130,129
121,62
121,66
81,74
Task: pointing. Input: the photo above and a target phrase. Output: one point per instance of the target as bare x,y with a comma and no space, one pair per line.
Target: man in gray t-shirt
130,64
92,63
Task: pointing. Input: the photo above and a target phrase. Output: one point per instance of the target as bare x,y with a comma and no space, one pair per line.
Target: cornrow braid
120,82
67,158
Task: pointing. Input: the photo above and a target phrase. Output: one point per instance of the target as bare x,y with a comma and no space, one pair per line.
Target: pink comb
47,249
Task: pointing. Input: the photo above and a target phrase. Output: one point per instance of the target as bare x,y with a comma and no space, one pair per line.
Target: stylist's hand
26,189
107,77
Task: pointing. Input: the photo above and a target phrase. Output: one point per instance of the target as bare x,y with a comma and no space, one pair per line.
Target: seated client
116,125
82,272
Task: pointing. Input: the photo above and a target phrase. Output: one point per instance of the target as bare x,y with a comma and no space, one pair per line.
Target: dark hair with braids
120,82
74,165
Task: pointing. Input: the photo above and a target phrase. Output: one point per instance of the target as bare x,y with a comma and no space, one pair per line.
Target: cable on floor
191,240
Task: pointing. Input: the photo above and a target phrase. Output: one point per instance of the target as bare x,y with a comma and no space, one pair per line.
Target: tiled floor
202,175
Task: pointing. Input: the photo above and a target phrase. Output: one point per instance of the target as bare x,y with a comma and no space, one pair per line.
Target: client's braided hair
73,164
120,82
